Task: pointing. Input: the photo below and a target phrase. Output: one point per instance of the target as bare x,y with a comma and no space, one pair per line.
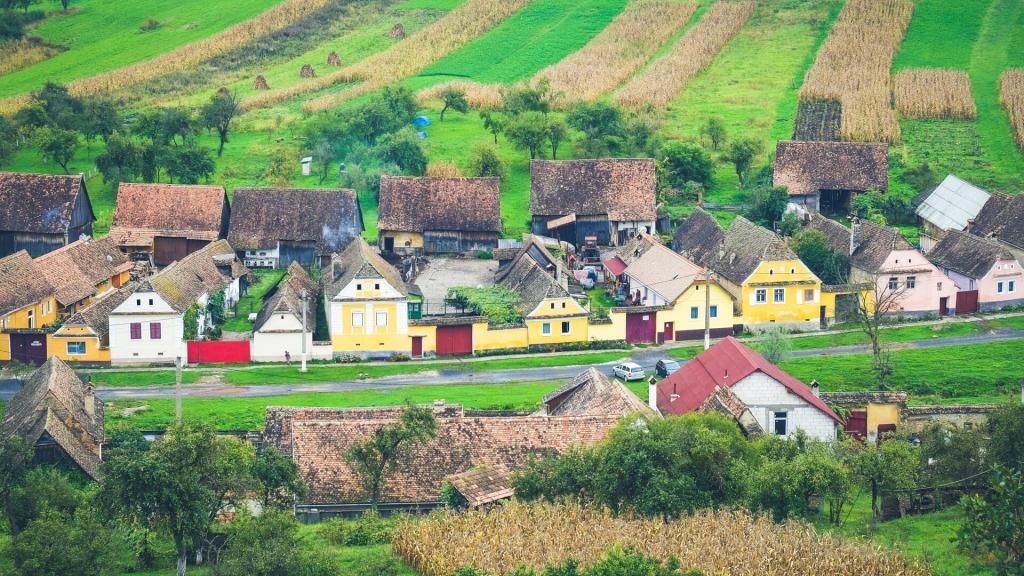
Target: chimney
652,393
89,400
854,234
970,224
563,282
815,389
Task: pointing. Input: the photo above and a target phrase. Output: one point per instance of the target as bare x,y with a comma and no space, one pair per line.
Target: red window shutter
136,330
154,330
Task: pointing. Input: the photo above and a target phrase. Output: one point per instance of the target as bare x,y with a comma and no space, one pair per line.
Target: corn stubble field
934,93
1011,94
718,543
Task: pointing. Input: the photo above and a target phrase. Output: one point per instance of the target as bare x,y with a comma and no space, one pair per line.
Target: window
382,318
136,330
563,304
809,295
154,330
357,319
551,305
894,283
566,327
792,270
76,348
761,295
999,287
714,312
138,301
1012,286
376,286
780,421
359,286
3,324
693,313
911,282
150,301
545,329
779,295
939,286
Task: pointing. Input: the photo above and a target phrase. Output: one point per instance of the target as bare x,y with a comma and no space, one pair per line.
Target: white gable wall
367,288
765,396
137,309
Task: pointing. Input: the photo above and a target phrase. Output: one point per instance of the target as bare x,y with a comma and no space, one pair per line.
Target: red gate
857,423
640,328
967,302
455,340
218,352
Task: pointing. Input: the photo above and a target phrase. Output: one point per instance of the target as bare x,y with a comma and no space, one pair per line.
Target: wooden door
417,346
455,340
857,423
28,348
167,249
640,328
944,306
967,302
667,331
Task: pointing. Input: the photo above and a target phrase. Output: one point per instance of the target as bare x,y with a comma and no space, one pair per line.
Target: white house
279,326
734,380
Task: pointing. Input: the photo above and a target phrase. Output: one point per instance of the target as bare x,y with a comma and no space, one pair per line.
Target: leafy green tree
454,99
813,249
1007,429
681,162
217,115
741,153
528,131
189,164
390,111
484,161
493,123
376,457
61,109
324,152
714,129
100,119
766,204
888,467
15,458
270,545
8,140
789,225
403,149
951,453
773,344
277,478
74,544
521,98
793,471
121,160
42,488
602,125
57,144
994,525
641,129
558,132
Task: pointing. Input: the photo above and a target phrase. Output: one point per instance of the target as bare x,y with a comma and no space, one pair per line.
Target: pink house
986,273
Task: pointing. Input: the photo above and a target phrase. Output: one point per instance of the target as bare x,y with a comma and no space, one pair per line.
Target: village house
166,222
769,283
84,270
880,256
952,205
731,378
867,415
823,176
59,416
149,325
550,313
672,290
28,304
611,199
1002,219
273,227
591,393
285,321
42,212
436,215
84,337
987,275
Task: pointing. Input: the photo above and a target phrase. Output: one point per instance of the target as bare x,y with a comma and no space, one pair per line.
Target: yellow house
84,270
367,303
85,335
769,282
551,315
27,305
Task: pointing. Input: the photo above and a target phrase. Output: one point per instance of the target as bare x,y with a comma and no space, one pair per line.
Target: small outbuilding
42,212
952,205
824,176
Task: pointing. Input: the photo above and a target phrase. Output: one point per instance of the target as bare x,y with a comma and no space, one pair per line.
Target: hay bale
223,91
307,72
260,83
333,59
397,31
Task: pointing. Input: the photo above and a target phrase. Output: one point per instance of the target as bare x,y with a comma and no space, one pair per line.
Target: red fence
219,352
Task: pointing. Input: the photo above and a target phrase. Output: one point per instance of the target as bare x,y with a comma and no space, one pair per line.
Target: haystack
333,59
260,83
223,91
397,31
307,72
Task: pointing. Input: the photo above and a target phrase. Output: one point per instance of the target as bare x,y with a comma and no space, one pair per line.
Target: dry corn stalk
1011,94
933,93
660,83
23,53
479,96
444,170
718,543
852,67
619,50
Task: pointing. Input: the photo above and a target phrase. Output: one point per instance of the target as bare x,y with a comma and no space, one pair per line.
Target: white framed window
894,283
809,295
545,329
999,287
566,327
760,295
780,423
76,348
911,282
1012,286
357,319
779,296
694,312
382,318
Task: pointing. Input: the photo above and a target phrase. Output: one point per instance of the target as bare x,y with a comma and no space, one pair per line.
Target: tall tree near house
886,467
994,525
882,299
323,152
15,457
8,139
493,123
528,131
558,132
57,144
277,479
741,153
379,455
453,99
218,113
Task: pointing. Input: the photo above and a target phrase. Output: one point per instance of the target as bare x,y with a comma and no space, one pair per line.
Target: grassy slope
253,300
103,36
984,43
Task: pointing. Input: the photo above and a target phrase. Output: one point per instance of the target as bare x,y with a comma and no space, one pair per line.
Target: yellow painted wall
578,330
788,275
429,334
56,345
487,338
557,307
695,296
359,339
45,312
5,347
882,414
616,330
414,239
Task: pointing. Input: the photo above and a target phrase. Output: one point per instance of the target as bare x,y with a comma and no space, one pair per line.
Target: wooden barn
42,212
824,176
166,222
439,215
611,199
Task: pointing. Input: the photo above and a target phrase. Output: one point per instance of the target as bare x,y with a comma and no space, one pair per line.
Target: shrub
398,357
150,24
484,161
367,530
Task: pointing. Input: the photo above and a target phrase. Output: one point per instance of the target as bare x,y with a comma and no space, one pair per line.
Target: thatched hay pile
260,83
333,59
397,31
307,72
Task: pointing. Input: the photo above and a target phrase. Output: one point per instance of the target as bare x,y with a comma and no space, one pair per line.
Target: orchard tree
681,162
887,467
189,164
558,132
15,458
8,139
813,249
121,161
218,113
403,149
742,153
484,161
603,128
453,99
1007,427
714,129
528,131
994,524
100,119
766,204
57,144
277,478
376,457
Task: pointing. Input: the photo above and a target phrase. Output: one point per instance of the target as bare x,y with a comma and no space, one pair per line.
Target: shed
484,485
823,176
439,214
42,212
952,205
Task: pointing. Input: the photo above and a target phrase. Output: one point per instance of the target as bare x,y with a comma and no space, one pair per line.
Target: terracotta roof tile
359,260
21,282
485,485
38,203
76,269
260,217
963,253
147,210
805,167
875,244
533,284
184,281
419,204
591,393
745,247
622,188
655,265
96,316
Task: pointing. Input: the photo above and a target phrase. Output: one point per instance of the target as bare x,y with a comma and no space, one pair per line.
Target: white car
628,371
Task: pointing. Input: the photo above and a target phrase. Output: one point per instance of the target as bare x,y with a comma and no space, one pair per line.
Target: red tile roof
615,265
725,364
187,211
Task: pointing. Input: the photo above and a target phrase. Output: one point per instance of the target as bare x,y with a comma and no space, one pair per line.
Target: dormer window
376,286
359,286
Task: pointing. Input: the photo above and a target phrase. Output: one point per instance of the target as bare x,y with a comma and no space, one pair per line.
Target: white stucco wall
765,396
280,333
138,309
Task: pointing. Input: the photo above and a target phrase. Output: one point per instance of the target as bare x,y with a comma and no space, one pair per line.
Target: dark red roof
725,364
615,265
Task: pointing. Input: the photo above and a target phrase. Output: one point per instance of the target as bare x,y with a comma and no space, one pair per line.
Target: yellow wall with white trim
791,276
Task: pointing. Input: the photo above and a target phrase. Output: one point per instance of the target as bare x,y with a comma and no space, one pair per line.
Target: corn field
660,83
718,543
1011,94
25,52
409,56
619,50
934,93
852,67
479,96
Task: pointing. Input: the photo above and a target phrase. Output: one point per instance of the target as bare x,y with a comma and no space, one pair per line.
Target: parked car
666,366
628,371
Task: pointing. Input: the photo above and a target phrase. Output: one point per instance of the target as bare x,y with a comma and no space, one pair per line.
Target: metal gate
857,423
218,352
455,340
28,348
640,328
967,302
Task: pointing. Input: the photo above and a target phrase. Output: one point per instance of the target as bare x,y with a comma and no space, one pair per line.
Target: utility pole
177,389
305,299
707,308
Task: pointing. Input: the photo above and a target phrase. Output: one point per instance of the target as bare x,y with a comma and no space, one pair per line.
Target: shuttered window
136,328
154,330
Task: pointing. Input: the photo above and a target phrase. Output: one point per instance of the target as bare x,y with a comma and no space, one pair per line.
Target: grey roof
533,284
591,393
875,245
657,266
359,260
972,256
953,203
96,315
1002,218
745,247
286,298
699,237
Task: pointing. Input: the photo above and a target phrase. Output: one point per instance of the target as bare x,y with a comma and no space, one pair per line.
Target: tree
64,4
792,472
57,144
1007,427
813,249
484,161
528,131
521,98
681,162
558,132
42,488
8,139
121,160
921,177
883,299
403,149
886,467
950,454
454,99
189,164
270,545
69,545
180,483
99,119
790,224
773,344
376,457
493,123
714,129
602,125
994,525
218,113
766,204
278,480
15,457
323,153
742,153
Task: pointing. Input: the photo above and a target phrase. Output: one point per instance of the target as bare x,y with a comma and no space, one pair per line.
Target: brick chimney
815,389
652,393
89,401
854,234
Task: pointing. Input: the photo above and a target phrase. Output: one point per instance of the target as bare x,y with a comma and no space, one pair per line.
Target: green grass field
253,300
